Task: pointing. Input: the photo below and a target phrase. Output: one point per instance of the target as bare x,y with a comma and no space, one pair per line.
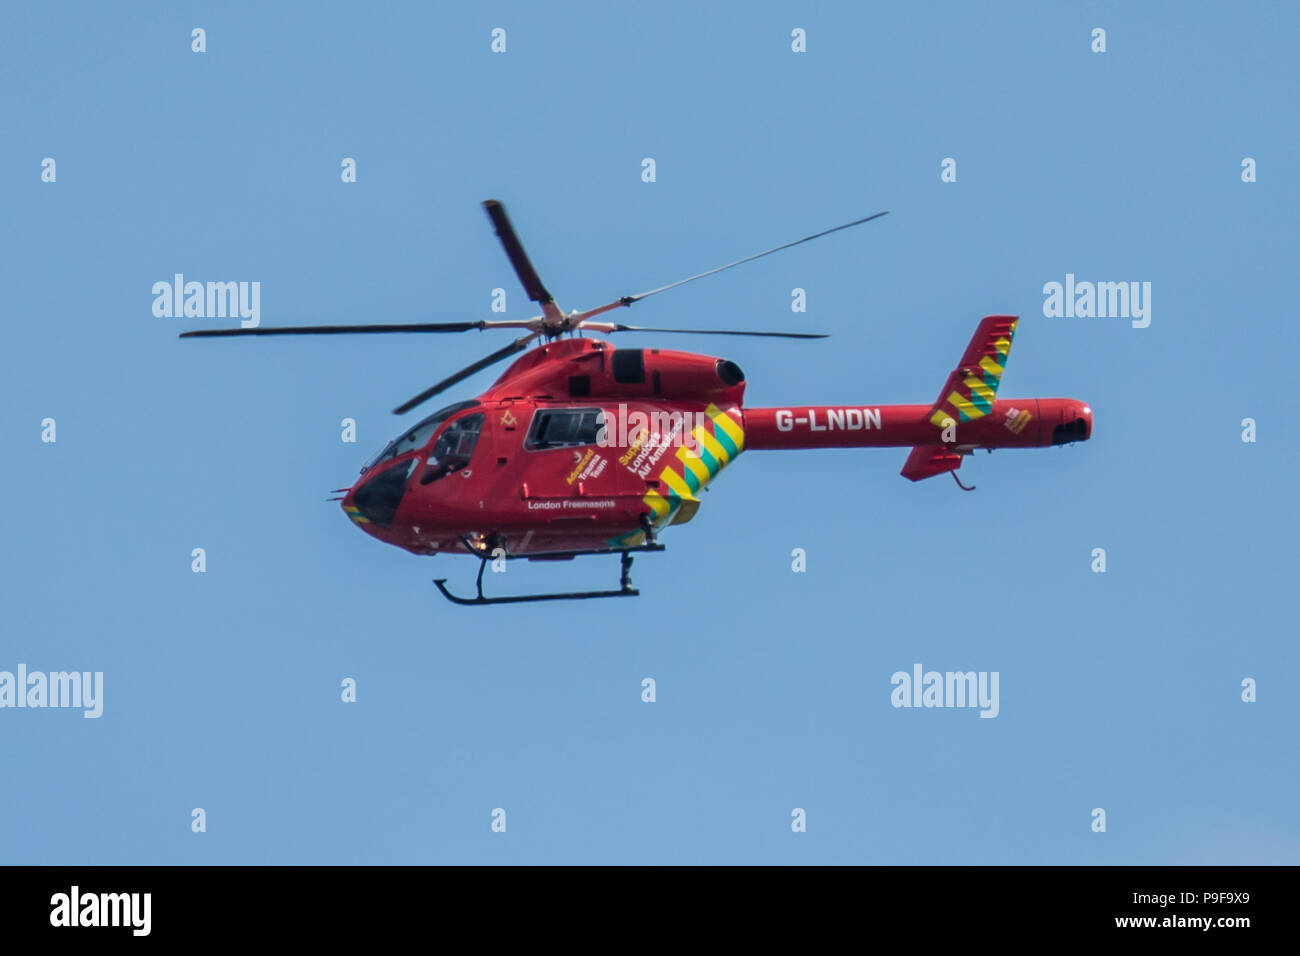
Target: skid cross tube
625,588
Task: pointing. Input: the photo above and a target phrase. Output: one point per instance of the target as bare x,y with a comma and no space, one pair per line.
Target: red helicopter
581,448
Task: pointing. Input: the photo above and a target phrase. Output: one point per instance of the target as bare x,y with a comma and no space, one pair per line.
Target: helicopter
583,448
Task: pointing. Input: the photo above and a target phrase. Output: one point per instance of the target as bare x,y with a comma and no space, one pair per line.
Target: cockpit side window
562,427
453,449
416,438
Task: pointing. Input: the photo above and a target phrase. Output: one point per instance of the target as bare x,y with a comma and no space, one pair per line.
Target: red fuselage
579,444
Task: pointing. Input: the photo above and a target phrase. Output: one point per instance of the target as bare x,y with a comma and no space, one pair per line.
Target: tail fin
968,394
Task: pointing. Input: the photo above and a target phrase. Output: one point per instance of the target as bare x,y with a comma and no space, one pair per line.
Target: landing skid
624,589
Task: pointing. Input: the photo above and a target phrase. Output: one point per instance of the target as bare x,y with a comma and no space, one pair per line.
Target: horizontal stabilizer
926,461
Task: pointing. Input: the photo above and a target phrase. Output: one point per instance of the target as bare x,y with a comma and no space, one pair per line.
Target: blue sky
222,690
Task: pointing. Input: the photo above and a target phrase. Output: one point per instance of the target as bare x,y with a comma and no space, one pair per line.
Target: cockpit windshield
418,436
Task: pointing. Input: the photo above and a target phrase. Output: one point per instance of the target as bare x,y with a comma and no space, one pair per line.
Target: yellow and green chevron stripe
674,499
973,388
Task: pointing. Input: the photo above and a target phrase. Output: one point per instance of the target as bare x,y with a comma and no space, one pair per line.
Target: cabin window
563,427
453,449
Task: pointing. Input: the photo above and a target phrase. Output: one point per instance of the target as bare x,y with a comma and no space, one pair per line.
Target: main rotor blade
627,300
757,255
515,250
518,345
349,329
620,327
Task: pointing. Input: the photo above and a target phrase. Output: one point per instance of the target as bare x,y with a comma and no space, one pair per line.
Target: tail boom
967,415
1010,423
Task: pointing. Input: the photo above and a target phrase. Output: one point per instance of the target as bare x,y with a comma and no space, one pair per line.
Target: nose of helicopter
372,502
350,508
